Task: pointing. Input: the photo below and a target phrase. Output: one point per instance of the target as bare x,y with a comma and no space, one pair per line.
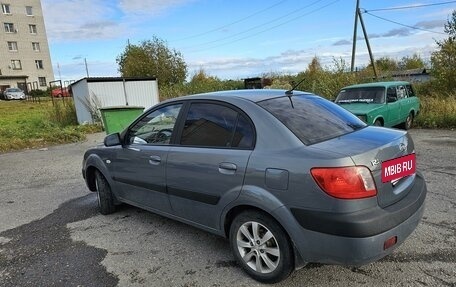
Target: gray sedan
288,177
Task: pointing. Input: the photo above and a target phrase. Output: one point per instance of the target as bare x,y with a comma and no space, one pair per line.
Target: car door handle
154,160
227,168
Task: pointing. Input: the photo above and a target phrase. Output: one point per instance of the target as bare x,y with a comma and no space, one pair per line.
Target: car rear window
312,119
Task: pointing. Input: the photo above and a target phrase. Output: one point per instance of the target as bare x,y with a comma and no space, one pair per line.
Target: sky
236,39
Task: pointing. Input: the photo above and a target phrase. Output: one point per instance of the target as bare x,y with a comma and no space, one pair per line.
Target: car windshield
13,90
312,119
375,95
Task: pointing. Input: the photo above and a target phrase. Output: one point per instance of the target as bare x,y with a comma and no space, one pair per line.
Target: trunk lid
370,147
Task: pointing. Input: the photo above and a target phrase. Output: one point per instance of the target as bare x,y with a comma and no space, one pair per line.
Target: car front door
140,164
206,170
394,107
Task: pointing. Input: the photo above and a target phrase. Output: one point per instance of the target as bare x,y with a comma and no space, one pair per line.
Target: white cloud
149,7
295,61
75,20
71,20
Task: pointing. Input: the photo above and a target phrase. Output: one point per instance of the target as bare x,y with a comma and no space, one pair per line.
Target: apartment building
25,61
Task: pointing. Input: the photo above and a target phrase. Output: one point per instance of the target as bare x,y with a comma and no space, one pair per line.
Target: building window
29,10
9,27
42,81
32,29
36,46
12,46
16,65
39,64
6,9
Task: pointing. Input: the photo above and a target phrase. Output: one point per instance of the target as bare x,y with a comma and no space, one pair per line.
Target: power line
270,28
410,6
229,24
408,26
254,27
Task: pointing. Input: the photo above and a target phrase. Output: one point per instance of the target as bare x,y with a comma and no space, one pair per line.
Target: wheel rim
258,247
409,121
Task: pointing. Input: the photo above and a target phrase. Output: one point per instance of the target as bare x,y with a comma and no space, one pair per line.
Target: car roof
378,84
254,95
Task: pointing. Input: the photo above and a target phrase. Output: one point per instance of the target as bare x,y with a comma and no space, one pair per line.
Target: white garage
91,94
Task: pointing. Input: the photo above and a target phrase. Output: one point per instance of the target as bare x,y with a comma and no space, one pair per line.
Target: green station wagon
385,104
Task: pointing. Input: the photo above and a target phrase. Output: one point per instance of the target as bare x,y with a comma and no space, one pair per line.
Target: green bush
39,93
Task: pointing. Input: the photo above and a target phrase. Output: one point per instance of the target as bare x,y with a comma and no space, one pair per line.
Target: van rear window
311,118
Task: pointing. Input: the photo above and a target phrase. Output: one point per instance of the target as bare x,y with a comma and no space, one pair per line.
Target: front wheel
261,247
104,194
378,123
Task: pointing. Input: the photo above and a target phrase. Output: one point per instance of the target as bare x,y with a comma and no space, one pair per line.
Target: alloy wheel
258,247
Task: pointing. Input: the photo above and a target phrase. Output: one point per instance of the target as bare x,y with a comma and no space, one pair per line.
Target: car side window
391,92
410,91
401,92
244,134
214,125
155,128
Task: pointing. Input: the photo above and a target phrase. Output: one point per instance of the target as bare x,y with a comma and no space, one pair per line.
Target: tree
153,58
385,64
444,58
314,66
411,62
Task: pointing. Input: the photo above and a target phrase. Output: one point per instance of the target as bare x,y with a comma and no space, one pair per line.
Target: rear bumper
359,238
364,223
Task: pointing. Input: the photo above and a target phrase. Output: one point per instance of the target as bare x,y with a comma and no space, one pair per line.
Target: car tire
104,194
273,256
408,122
378,123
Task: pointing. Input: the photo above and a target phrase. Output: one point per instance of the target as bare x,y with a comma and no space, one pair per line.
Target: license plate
399,167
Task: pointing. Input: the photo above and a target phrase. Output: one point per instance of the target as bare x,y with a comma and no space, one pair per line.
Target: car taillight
352,182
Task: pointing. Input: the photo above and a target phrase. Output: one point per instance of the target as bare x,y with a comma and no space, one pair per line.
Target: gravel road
52,235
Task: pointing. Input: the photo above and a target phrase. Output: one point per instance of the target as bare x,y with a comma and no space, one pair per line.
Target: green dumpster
116,119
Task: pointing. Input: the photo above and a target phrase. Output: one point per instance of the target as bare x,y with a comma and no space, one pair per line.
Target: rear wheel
104,194
378,123
408,122
261,247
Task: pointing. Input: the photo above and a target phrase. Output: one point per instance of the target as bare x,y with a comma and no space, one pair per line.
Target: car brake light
352,182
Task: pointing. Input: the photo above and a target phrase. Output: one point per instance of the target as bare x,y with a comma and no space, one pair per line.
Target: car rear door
139,167
404,102
205,171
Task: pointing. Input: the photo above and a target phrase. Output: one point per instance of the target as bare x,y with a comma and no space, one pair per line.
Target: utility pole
355,29
367,43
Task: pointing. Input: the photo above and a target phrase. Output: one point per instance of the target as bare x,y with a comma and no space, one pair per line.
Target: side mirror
391,98
112,140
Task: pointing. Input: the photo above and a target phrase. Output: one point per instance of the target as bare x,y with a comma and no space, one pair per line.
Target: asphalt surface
52,235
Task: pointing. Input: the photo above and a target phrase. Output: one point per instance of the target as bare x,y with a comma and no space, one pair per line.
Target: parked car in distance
60,92
287,176
385,104
13,94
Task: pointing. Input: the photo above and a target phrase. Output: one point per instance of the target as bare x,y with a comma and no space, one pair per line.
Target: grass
437,112
25,124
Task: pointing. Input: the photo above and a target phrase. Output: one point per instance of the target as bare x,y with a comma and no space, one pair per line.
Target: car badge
375,162
402,146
